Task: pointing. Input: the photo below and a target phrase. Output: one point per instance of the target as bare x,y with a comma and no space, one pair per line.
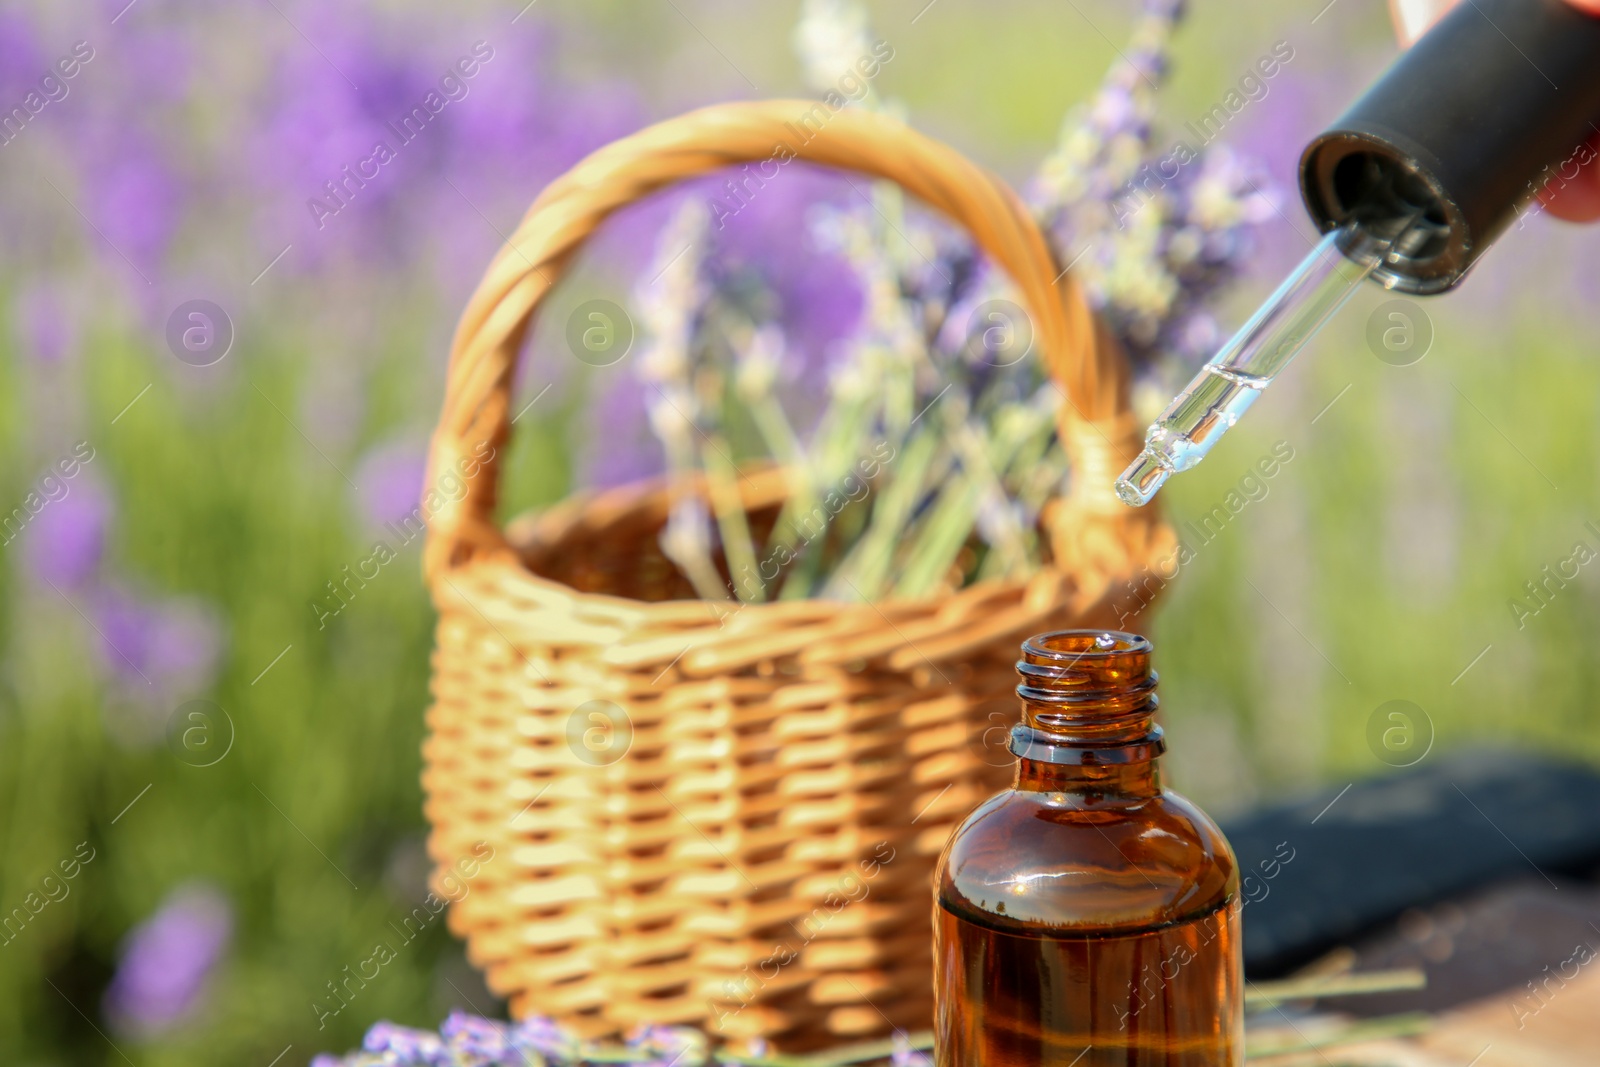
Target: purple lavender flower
167,961
64,541
620,447
21,59
753,260
391,477
542,1037
488,139
463,1041
1273,132
411,1046
681,1046
1216,206
46,328
313,123
1151,246
133,200
906,1056
819,300
481,1042
169,646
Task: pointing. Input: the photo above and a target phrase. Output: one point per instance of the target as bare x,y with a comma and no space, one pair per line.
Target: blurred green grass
1386,555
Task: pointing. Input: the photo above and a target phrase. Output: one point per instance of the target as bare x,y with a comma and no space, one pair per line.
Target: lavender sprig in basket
934,380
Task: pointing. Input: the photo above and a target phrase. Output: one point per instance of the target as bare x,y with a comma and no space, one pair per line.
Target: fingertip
1578,200
1412,18
1575,199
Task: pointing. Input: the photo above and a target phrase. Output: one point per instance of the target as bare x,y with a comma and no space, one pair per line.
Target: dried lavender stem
722,480
1267,994
864,571
843,429
943,534
981,462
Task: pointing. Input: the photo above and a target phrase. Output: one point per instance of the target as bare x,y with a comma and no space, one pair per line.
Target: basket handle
1096,426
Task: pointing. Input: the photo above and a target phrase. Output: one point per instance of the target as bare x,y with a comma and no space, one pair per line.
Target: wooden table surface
1492,1032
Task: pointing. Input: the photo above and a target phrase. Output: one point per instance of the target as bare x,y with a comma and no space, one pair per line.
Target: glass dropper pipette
1226,387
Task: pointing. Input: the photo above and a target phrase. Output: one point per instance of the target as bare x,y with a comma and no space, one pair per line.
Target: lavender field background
209,804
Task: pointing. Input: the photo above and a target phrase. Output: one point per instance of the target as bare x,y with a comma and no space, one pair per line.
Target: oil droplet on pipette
1227,386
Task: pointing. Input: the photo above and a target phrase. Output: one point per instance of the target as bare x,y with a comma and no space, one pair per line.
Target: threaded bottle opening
1086,689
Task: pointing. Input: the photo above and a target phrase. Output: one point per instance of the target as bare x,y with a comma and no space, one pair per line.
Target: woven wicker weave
759,861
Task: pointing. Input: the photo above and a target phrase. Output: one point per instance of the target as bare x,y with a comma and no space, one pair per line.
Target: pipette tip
1142,480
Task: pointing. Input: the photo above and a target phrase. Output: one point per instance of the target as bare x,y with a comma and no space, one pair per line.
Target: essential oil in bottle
1087,916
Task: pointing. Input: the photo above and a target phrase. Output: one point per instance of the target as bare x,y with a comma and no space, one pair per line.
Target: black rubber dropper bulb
1467,126
1409,187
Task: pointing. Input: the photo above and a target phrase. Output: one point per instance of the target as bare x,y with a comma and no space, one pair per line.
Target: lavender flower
20,54
924,350
391,477
501,130
478,1041
681,1046
538,1036
621,448
831,38
158,648
405,1043
314,122
462,1041
47,329
802,286
133,200
470,1041
906,1056
64,541
671,305
1154,233
167,961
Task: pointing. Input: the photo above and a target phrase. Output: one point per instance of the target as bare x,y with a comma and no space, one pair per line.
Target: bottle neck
1141,778
1088,715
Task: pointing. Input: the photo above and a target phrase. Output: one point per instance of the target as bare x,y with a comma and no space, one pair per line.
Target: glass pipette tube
1227,386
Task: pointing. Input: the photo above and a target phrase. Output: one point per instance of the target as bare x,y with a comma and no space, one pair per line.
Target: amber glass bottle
1087,916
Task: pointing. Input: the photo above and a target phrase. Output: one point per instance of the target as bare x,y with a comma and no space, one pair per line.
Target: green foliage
311,823
1386,557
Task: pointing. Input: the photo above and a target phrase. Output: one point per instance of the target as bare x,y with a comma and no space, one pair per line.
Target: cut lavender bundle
939,382
470,1041
463,1041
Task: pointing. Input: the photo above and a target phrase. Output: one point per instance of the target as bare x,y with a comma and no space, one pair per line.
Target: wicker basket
759,862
